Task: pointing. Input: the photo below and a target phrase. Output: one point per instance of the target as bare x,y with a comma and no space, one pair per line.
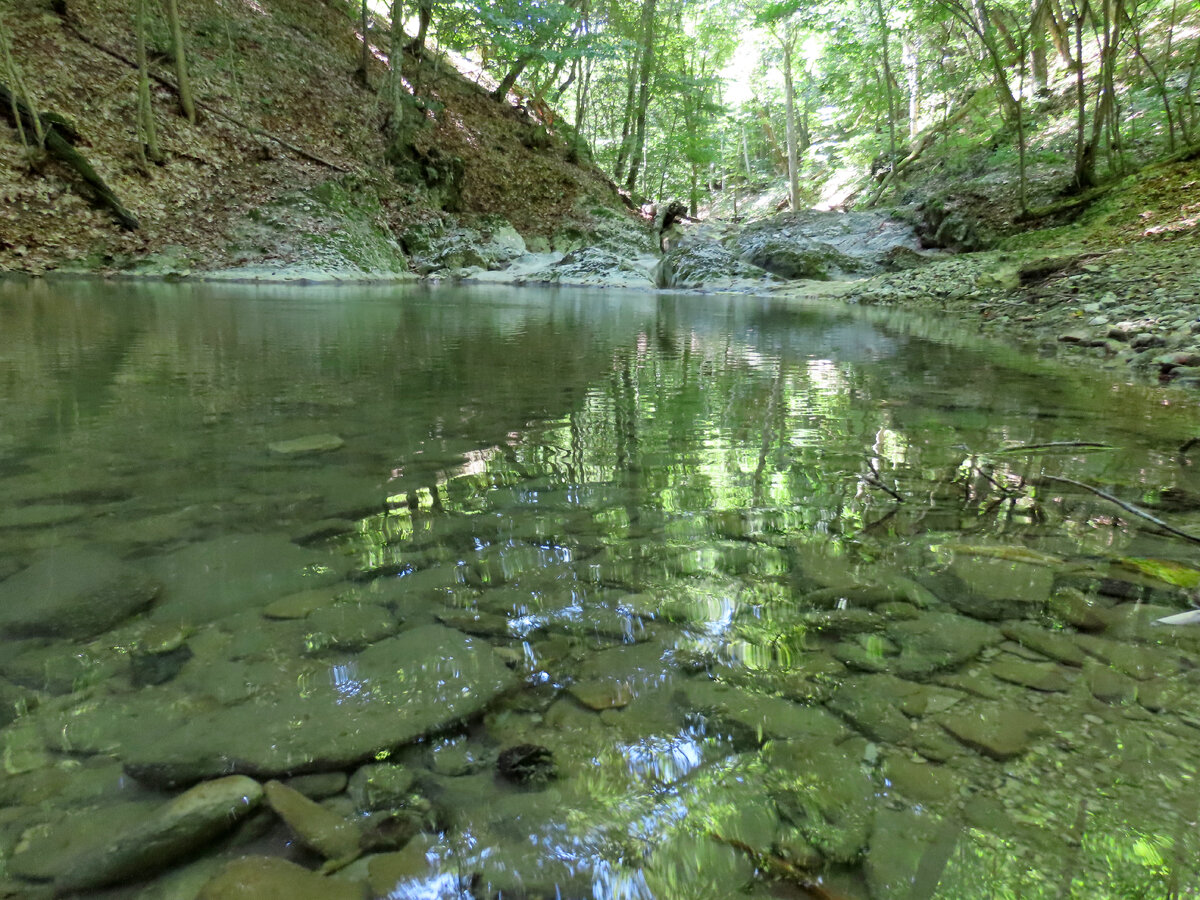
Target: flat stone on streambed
1053,644
926,644
1135,660
73,592
1000,732
1038,676
313,825
269,878
209,579
307,445
753,718
823,790
394,692
102,847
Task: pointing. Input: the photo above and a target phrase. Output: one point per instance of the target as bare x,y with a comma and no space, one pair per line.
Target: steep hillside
286,164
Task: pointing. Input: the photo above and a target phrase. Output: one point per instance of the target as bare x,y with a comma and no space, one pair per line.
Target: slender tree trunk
1158,79
145,110
885,39
397,95
1084,167
911,55
424,17
1038,64
1060,31
789,96
649,8
360,74
507,82
187,105
626,119
20,93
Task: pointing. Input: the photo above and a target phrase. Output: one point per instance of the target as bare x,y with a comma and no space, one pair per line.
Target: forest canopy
687,98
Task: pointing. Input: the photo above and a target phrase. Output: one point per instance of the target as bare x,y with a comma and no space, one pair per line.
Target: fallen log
58,140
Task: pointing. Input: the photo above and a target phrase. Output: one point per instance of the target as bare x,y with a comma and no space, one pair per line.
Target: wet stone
318,785
237,572
388,872
938,641
823,791
52,666
347,627
381,786
1003,579
1074,607
301,604
1056,645
932,742
142,839
1039,676
527,764
42,515
754,718
473,621
1135,660
1108,685
1000,732
390,694
73,592
900,841
869,704
307,445
923,782
601,695
317,828
268,878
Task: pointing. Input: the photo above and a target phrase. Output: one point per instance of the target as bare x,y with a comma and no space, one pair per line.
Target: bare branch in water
1128,507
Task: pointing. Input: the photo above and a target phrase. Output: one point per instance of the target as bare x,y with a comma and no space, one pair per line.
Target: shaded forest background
199,115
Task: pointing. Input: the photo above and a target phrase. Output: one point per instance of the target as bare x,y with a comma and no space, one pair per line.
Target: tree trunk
911,56
397,96
1085,163
187,105
885,38
789,97
507,82
424,17
145,111
21,99
360,74
1038,64
58,145
645,77
626,120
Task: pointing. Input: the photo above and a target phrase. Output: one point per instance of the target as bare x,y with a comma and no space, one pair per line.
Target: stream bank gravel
1135,309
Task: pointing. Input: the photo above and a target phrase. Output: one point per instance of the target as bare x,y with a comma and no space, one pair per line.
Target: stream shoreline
1125,311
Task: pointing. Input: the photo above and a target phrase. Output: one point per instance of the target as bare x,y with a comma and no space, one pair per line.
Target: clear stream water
771,600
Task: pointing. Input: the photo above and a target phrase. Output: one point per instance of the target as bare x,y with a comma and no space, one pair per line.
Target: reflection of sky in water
344,678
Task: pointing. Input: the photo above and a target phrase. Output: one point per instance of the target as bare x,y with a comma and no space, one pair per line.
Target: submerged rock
267,878
527,764
314,826
210,579
307,445
1000,732
73,592
394,692
901,841
825,792
85,854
